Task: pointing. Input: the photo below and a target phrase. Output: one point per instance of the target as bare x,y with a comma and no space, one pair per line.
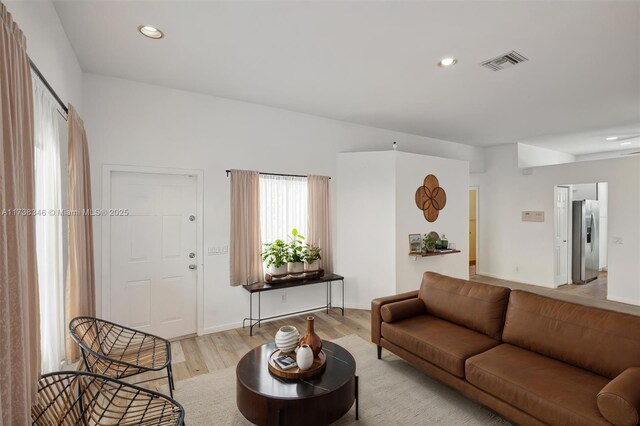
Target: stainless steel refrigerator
586,241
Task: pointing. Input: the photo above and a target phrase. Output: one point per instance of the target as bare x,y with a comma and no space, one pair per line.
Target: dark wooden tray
318,366
297,276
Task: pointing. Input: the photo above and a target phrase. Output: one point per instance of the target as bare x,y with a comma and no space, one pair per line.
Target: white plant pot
304,357
287,339
295,267
281,270
313,266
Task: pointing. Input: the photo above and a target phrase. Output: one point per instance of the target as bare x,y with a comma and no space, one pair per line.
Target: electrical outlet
517,268
284,298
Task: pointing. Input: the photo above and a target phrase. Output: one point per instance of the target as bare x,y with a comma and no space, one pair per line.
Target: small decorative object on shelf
287,339
275,256
429,242
415,243
444,243
304,355
311,338
311,256
295,258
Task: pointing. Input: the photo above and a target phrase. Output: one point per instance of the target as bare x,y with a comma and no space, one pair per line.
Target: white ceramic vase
280,270
287,339
295,267
304,357
311,266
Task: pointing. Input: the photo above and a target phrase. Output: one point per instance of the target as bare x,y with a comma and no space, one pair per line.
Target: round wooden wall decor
431,198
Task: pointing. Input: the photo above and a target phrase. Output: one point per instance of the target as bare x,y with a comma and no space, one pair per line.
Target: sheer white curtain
283,206
49,228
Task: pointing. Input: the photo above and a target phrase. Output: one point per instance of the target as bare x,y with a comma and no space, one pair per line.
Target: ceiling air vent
504,61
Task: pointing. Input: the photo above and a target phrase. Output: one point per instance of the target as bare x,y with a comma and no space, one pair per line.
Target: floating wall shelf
434,253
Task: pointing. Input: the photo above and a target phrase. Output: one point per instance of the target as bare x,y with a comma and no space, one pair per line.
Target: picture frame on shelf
415,243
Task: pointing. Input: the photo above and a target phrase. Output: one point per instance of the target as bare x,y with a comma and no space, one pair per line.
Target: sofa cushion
619,400
552,391
601,341
397,311
480,307
440,342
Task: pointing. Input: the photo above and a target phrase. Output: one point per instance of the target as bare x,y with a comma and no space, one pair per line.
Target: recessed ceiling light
625,143
151,32
612,138
447,62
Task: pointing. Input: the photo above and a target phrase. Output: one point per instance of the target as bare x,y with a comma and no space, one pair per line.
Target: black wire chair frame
80,398
117,351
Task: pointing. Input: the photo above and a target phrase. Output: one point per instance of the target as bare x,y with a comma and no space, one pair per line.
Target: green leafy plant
428,243
275,253
295,247
311,253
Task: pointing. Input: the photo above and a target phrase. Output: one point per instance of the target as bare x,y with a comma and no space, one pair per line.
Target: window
49,227
283,206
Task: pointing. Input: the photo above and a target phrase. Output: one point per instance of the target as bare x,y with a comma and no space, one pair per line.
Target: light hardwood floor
591,294
197,355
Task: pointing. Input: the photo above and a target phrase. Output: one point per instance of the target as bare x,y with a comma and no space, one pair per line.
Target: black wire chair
79,398
117,351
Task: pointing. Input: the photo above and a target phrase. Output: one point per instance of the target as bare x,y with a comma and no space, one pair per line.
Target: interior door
473,197
153,254
561,230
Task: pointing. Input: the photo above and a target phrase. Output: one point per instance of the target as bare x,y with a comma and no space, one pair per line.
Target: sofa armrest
376,315
397,311
619,400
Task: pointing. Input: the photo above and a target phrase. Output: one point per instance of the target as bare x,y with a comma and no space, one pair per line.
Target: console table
261,287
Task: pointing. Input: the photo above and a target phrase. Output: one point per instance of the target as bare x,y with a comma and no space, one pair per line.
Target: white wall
453,220
584,191
377,212
366,217
603,198
523,251
138,124
534,156
49,48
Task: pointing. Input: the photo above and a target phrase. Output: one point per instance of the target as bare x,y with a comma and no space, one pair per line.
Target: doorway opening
473,230
580,238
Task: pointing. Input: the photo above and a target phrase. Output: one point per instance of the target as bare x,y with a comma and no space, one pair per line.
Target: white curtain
49,228
283,206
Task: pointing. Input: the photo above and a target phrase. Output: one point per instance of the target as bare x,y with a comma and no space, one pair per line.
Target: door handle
192,266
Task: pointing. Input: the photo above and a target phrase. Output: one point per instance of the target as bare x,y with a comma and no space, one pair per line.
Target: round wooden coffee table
268,400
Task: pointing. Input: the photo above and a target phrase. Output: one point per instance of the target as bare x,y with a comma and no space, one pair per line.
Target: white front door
561,228
152,287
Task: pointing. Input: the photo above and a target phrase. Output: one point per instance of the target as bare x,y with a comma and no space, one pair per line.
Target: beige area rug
391,393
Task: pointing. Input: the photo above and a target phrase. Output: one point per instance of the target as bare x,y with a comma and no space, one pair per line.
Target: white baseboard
221,327
623,300
516,280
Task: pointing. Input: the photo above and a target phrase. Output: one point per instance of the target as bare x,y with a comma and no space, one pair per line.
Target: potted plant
275,255
429,243
295,257
311,256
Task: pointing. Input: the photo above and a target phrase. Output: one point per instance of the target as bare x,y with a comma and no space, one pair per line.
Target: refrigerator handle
593,231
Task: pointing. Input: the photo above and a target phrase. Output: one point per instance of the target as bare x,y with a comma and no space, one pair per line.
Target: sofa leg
379,352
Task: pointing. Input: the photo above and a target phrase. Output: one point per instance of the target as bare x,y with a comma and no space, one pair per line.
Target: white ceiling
592,141
374,62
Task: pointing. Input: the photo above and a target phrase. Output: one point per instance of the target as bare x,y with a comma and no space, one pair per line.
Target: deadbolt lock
192,255
192,218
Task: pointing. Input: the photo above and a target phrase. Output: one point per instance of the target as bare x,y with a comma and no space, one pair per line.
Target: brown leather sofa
532,359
